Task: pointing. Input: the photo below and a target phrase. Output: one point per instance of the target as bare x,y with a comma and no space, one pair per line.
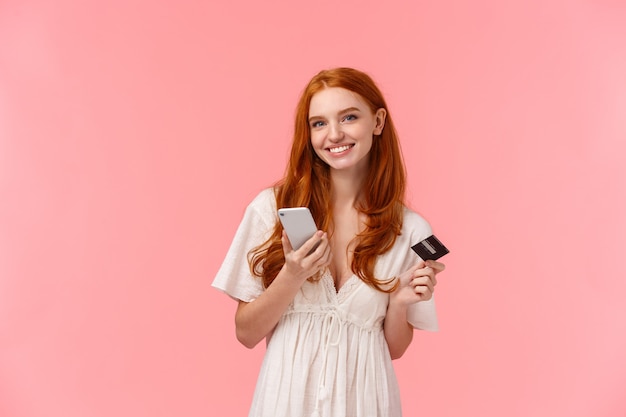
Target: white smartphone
298,223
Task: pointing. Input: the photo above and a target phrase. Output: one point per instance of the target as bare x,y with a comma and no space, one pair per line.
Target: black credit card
430,248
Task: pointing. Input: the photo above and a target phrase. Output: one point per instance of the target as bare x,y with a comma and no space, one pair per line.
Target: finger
321,255
424,272
321,248
418,281
328,255
424,282
287,248
310,245
424,296
423,292
437,266
419,265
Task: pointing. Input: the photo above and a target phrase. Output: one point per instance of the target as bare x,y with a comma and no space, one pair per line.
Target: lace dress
327,355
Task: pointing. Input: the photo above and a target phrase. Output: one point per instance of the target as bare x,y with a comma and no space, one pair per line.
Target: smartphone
298,223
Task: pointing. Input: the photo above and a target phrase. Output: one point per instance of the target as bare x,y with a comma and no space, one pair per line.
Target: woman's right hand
309,259
417,284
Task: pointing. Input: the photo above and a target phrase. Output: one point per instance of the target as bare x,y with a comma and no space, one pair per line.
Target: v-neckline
331,283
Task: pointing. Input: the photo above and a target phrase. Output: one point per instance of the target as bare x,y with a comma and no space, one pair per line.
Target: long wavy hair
307,184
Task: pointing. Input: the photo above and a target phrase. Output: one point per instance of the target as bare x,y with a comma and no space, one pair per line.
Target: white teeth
340,149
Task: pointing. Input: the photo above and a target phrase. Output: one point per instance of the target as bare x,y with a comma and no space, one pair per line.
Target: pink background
133,134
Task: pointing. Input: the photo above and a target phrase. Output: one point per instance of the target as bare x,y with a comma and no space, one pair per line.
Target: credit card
430,248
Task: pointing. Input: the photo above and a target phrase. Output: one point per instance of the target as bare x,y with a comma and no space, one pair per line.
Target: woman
335,317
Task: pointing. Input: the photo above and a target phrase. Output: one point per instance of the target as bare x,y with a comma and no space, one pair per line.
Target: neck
346,188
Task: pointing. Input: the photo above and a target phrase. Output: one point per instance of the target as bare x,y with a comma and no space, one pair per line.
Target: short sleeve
234,276
422,315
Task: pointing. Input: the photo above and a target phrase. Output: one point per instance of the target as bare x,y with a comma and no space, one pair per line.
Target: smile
340,148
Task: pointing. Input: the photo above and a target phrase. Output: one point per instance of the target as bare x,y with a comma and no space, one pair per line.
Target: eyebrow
349,109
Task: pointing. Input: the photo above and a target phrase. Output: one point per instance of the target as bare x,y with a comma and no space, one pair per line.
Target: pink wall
133,133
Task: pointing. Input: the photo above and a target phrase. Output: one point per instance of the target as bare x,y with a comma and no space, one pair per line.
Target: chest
355,302
342,244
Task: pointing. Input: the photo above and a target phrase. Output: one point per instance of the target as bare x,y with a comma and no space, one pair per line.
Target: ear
380,115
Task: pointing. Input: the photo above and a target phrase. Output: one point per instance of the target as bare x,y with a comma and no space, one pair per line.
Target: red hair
307,184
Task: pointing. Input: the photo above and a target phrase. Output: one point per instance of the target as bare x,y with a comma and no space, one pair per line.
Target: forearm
255,320
398,332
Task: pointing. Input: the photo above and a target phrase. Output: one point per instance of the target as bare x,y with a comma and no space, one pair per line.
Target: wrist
292,277
396,303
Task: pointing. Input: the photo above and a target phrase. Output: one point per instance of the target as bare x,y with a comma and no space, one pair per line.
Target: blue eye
350,118
319,123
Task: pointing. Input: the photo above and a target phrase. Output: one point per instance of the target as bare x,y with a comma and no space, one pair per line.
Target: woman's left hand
418,283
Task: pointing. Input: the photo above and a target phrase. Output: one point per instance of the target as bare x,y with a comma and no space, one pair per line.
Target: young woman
333,318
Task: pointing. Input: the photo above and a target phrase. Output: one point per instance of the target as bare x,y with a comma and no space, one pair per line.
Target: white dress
327,355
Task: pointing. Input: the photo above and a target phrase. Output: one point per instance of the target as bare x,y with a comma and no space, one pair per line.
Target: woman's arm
256,319
398,332
417,284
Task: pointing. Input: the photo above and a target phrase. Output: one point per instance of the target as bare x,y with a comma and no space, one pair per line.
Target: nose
335,133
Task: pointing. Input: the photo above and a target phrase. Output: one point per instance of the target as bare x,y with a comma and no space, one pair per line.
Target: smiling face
342,128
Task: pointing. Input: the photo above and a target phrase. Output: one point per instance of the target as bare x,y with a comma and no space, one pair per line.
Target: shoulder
264,204
414,224
400,257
